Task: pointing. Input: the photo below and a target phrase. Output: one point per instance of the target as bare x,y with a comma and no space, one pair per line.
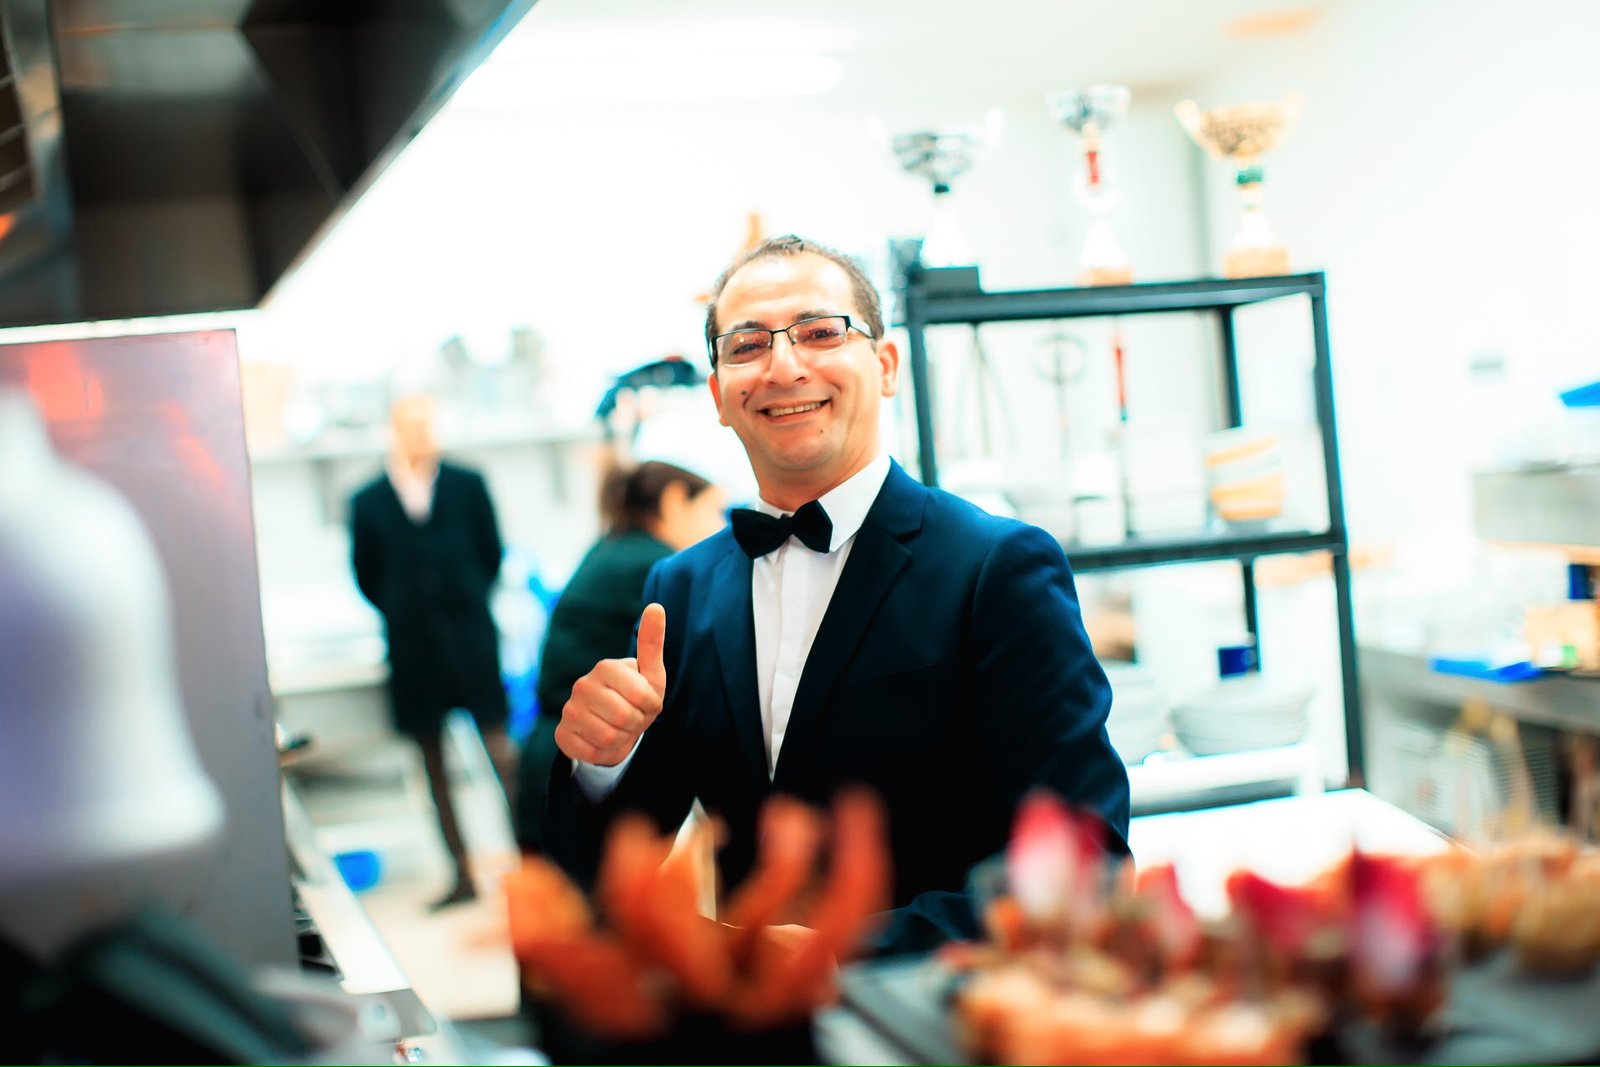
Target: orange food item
661,954
790,836
787,987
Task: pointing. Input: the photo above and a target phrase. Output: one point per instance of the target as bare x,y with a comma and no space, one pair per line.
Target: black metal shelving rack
950,296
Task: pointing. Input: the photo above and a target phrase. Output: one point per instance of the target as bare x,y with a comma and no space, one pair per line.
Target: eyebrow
752,324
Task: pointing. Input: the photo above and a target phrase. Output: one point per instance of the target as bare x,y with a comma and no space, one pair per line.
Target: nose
784,362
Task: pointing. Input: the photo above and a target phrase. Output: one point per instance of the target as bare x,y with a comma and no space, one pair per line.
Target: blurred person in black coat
647,512
426,548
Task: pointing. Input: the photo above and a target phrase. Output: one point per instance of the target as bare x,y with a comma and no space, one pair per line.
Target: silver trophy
1088,112
941,156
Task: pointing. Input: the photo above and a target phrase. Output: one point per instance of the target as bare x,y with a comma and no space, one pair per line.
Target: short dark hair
861,288
631,497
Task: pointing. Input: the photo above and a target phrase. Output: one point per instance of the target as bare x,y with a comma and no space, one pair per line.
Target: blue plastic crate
1583,396
1489,672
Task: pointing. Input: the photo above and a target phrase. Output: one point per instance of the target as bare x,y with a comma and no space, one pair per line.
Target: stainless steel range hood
1550,506
172,156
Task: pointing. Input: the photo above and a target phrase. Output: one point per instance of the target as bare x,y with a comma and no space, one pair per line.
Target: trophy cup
940,156
1088,112
1243,134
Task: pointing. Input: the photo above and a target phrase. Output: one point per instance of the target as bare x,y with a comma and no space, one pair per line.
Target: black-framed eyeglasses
751,345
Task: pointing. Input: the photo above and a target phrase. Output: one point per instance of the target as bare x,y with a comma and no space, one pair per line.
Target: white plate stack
1138,721
1164,478
1245,469
1241,714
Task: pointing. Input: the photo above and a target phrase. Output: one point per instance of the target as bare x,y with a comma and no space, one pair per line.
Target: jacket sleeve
1043,702
1043,697
366,553
486,529
658,782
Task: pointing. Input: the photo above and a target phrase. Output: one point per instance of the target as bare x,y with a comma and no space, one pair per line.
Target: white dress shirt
789,592
414,488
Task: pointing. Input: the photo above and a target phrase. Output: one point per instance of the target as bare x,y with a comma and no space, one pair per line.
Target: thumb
652,637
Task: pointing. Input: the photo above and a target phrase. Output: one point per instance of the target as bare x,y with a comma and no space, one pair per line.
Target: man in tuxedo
856,627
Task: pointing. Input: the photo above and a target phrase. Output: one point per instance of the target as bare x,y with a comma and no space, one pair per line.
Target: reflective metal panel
159,418
1558,506
184,155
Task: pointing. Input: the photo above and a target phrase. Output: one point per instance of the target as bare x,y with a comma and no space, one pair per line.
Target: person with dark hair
646,514
856,627
425,547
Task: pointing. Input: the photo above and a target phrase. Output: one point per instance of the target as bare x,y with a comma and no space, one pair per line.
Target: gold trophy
1088,112
1244,133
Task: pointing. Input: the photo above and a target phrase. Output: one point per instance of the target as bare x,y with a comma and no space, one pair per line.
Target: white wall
602,227
1443,174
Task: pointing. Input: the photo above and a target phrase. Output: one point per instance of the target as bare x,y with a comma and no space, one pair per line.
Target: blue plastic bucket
360,869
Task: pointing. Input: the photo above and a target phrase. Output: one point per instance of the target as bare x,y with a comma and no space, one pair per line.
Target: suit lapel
442,489
391,502
733,624
876,559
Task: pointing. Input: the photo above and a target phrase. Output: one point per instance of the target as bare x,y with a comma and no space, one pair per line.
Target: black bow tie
759,533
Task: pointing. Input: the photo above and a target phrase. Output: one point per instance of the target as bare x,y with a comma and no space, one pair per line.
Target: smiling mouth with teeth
775,412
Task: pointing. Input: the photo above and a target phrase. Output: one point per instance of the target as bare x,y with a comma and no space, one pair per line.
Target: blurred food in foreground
1539,894
1087,963
629,965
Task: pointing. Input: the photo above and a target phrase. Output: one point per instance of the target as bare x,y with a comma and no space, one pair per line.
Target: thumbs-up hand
615,703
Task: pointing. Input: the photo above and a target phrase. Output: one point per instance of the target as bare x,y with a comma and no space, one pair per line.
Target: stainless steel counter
367,968
1561,701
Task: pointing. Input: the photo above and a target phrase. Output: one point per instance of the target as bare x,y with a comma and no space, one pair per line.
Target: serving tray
1494,1015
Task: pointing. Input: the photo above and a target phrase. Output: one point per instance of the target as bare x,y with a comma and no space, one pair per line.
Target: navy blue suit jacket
951,674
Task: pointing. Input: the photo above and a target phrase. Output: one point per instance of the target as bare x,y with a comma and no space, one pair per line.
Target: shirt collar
403,477
848,502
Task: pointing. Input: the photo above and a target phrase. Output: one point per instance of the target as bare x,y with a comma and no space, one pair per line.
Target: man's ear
716,396
889,362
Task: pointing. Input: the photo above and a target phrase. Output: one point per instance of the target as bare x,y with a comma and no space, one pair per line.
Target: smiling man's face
809,420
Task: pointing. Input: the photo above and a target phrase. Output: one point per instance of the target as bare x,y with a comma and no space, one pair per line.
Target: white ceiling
380,284
905,49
